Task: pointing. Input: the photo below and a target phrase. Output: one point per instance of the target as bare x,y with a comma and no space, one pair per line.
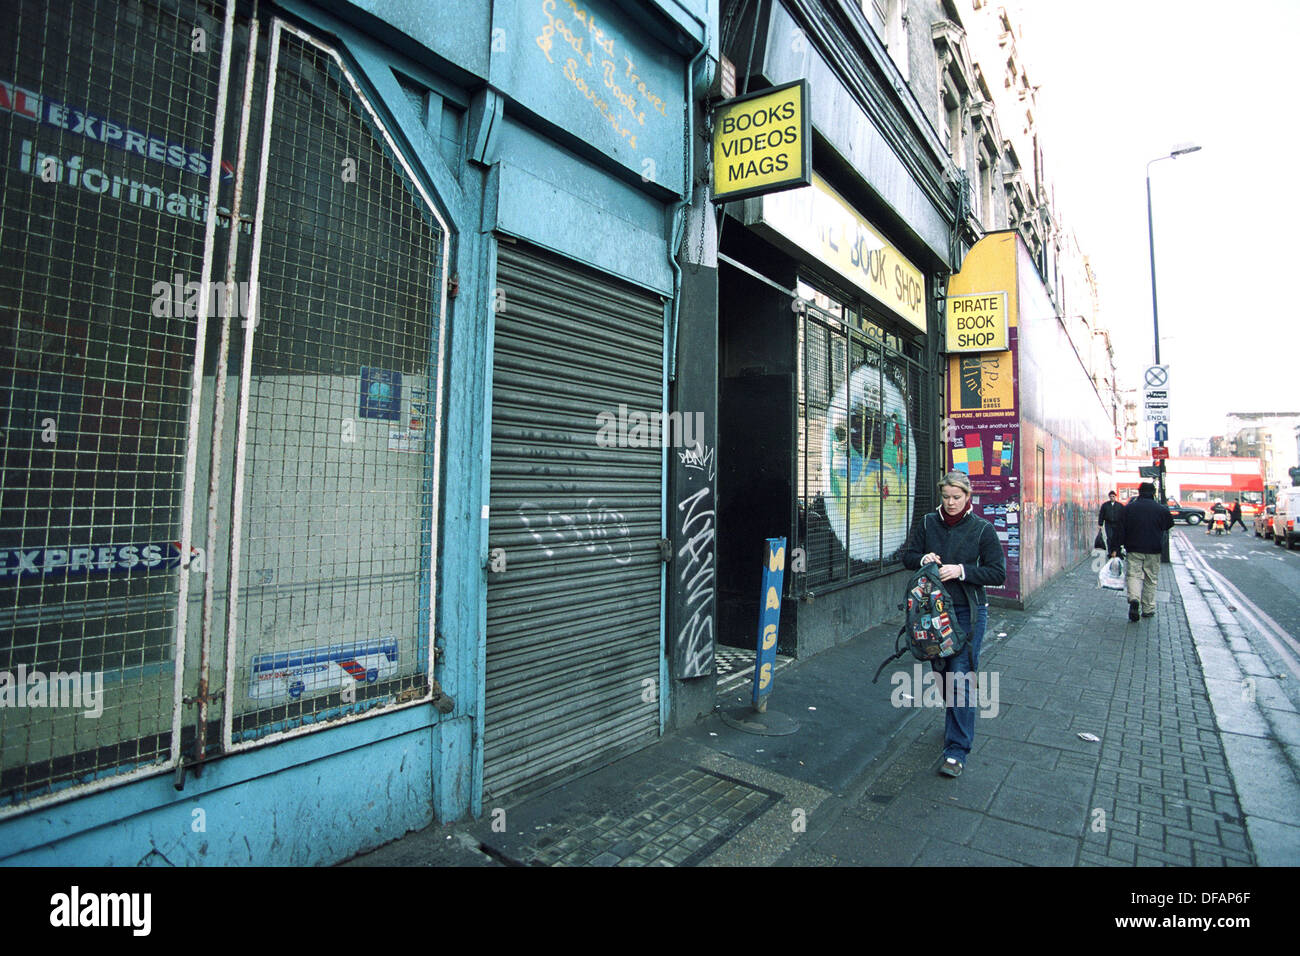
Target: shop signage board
820,222
977,323
762,143
616,87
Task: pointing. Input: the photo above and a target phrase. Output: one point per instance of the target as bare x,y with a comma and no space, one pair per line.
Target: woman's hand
950,572
932,558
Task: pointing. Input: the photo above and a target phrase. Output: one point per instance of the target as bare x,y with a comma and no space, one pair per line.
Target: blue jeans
959,722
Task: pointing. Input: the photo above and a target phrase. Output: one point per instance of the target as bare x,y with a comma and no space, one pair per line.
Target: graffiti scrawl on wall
695,577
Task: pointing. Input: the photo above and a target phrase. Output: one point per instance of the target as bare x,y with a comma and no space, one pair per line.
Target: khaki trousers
1142,576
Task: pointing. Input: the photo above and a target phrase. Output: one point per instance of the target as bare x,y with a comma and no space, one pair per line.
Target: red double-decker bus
1200,481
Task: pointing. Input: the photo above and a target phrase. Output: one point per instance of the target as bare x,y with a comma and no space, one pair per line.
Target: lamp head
1184,149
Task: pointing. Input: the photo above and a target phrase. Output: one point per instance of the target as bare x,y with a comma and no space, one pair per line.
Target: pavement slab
1186,770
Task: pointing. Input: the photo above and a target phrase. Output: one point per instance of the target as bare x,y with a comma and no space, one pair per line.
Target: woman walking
970,558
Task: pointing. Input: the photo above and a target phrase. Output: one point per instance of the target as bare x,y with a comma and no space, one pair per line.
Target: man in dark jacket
1142,526
1108,519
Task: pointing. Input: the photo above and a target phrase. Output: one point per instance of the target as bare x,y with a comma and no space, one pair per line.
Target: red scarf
951,520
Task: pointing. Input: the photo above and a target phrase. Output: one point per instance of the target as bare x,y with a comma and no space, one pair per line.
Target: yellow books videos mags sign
761,143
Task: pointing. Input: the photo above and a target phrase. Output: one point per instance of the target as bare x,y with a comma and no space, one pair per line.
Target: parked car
1189,514
1264,523
1286,517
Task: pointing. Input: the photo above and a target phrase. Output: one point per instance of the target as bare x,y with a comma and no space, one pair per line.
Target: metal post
1155,317
1155,320
1151,248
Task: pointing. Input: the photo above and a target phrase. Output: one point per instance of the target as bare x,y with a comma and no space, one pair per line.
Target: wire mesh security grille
107,120
106,116
337,459
863,463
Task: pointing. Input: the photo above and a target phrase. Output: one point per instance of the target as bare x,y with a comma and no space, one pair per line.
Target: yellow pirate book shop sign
977,323
761,142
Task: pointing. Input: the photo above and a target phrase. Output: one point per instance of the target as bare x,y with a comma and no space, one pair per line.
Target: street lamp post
1155,311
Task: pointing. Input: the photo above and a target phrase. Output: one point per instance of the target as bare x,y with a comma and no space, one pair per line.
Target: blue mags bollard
769,621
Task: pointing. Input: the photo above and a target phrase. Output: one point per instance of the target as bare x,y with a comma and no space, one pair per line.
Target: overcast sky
1125,81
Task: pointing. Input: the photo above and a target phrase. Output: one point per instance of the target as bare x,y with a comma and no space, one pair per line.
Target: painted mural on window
868,450
857,469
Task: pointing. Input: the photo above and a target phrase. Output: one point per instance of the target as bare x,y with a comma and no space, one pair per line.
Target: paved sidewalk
1154,790
856,784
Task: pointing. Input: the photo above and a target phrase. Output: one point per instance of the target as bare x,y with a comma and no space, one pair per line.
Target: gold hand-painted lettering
556,25
640,86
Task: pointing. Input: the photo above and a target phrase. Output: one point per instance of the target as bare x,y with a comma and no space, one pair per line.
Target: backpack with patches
930,629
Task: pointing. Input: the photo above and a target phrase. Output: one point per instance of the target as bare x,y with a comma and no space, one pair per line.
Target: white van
1286,517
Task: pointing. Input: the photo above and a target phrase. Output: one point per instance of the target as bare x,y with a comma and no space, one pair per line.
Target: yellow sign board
820,222
977,323
982,385
762,143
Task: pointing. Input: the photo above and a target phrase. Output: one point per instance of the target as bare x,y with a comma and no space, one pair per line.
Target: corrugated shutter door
573,620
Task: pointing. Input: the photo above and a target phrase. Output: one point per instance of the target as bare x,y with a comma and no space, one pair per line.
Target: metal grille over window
106,121
859,436
335,558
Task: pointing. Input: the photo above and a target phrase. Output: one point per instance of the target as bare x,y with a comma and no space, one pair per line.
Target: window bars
124,304
862,447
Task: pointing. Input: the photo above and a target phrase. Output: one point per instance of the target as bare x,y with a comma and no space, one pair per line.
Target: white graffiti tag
699,458
695,639
594,529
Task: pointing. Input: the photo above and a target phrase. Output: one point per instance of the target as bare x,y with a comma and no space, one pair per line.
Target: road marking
1252,612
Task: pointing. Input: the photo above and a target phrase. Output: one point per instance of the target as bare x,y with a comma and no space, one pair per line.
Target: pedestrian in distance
970,558
1107,520
1235,516
1218,509
1142,528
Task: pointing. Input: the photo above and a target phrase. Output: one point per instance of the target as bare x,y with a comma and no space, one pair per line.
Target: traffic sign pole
1156,402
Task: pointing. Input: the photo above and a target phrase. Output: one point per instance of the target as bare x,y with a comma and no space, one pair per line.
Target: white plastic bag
1111,574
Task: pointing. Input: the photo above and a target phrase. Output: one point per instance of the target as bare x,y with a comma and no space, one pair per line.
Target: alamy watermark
638,429
927,688
33,688
76,909
180,299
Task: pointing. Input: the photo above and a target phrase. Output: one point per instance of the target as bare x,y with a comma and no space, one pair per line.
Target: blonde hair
957,479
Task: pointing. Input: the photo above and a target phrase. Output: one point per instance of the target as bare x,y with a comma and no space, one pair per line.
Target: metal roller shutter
573,631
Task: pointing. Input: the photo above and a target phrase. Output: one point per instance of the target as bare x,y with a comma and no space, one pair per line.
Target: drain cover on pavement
673,820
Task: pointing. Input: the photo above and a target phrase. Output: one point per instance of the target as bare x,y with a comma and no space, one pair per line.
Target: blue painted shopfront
547,122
